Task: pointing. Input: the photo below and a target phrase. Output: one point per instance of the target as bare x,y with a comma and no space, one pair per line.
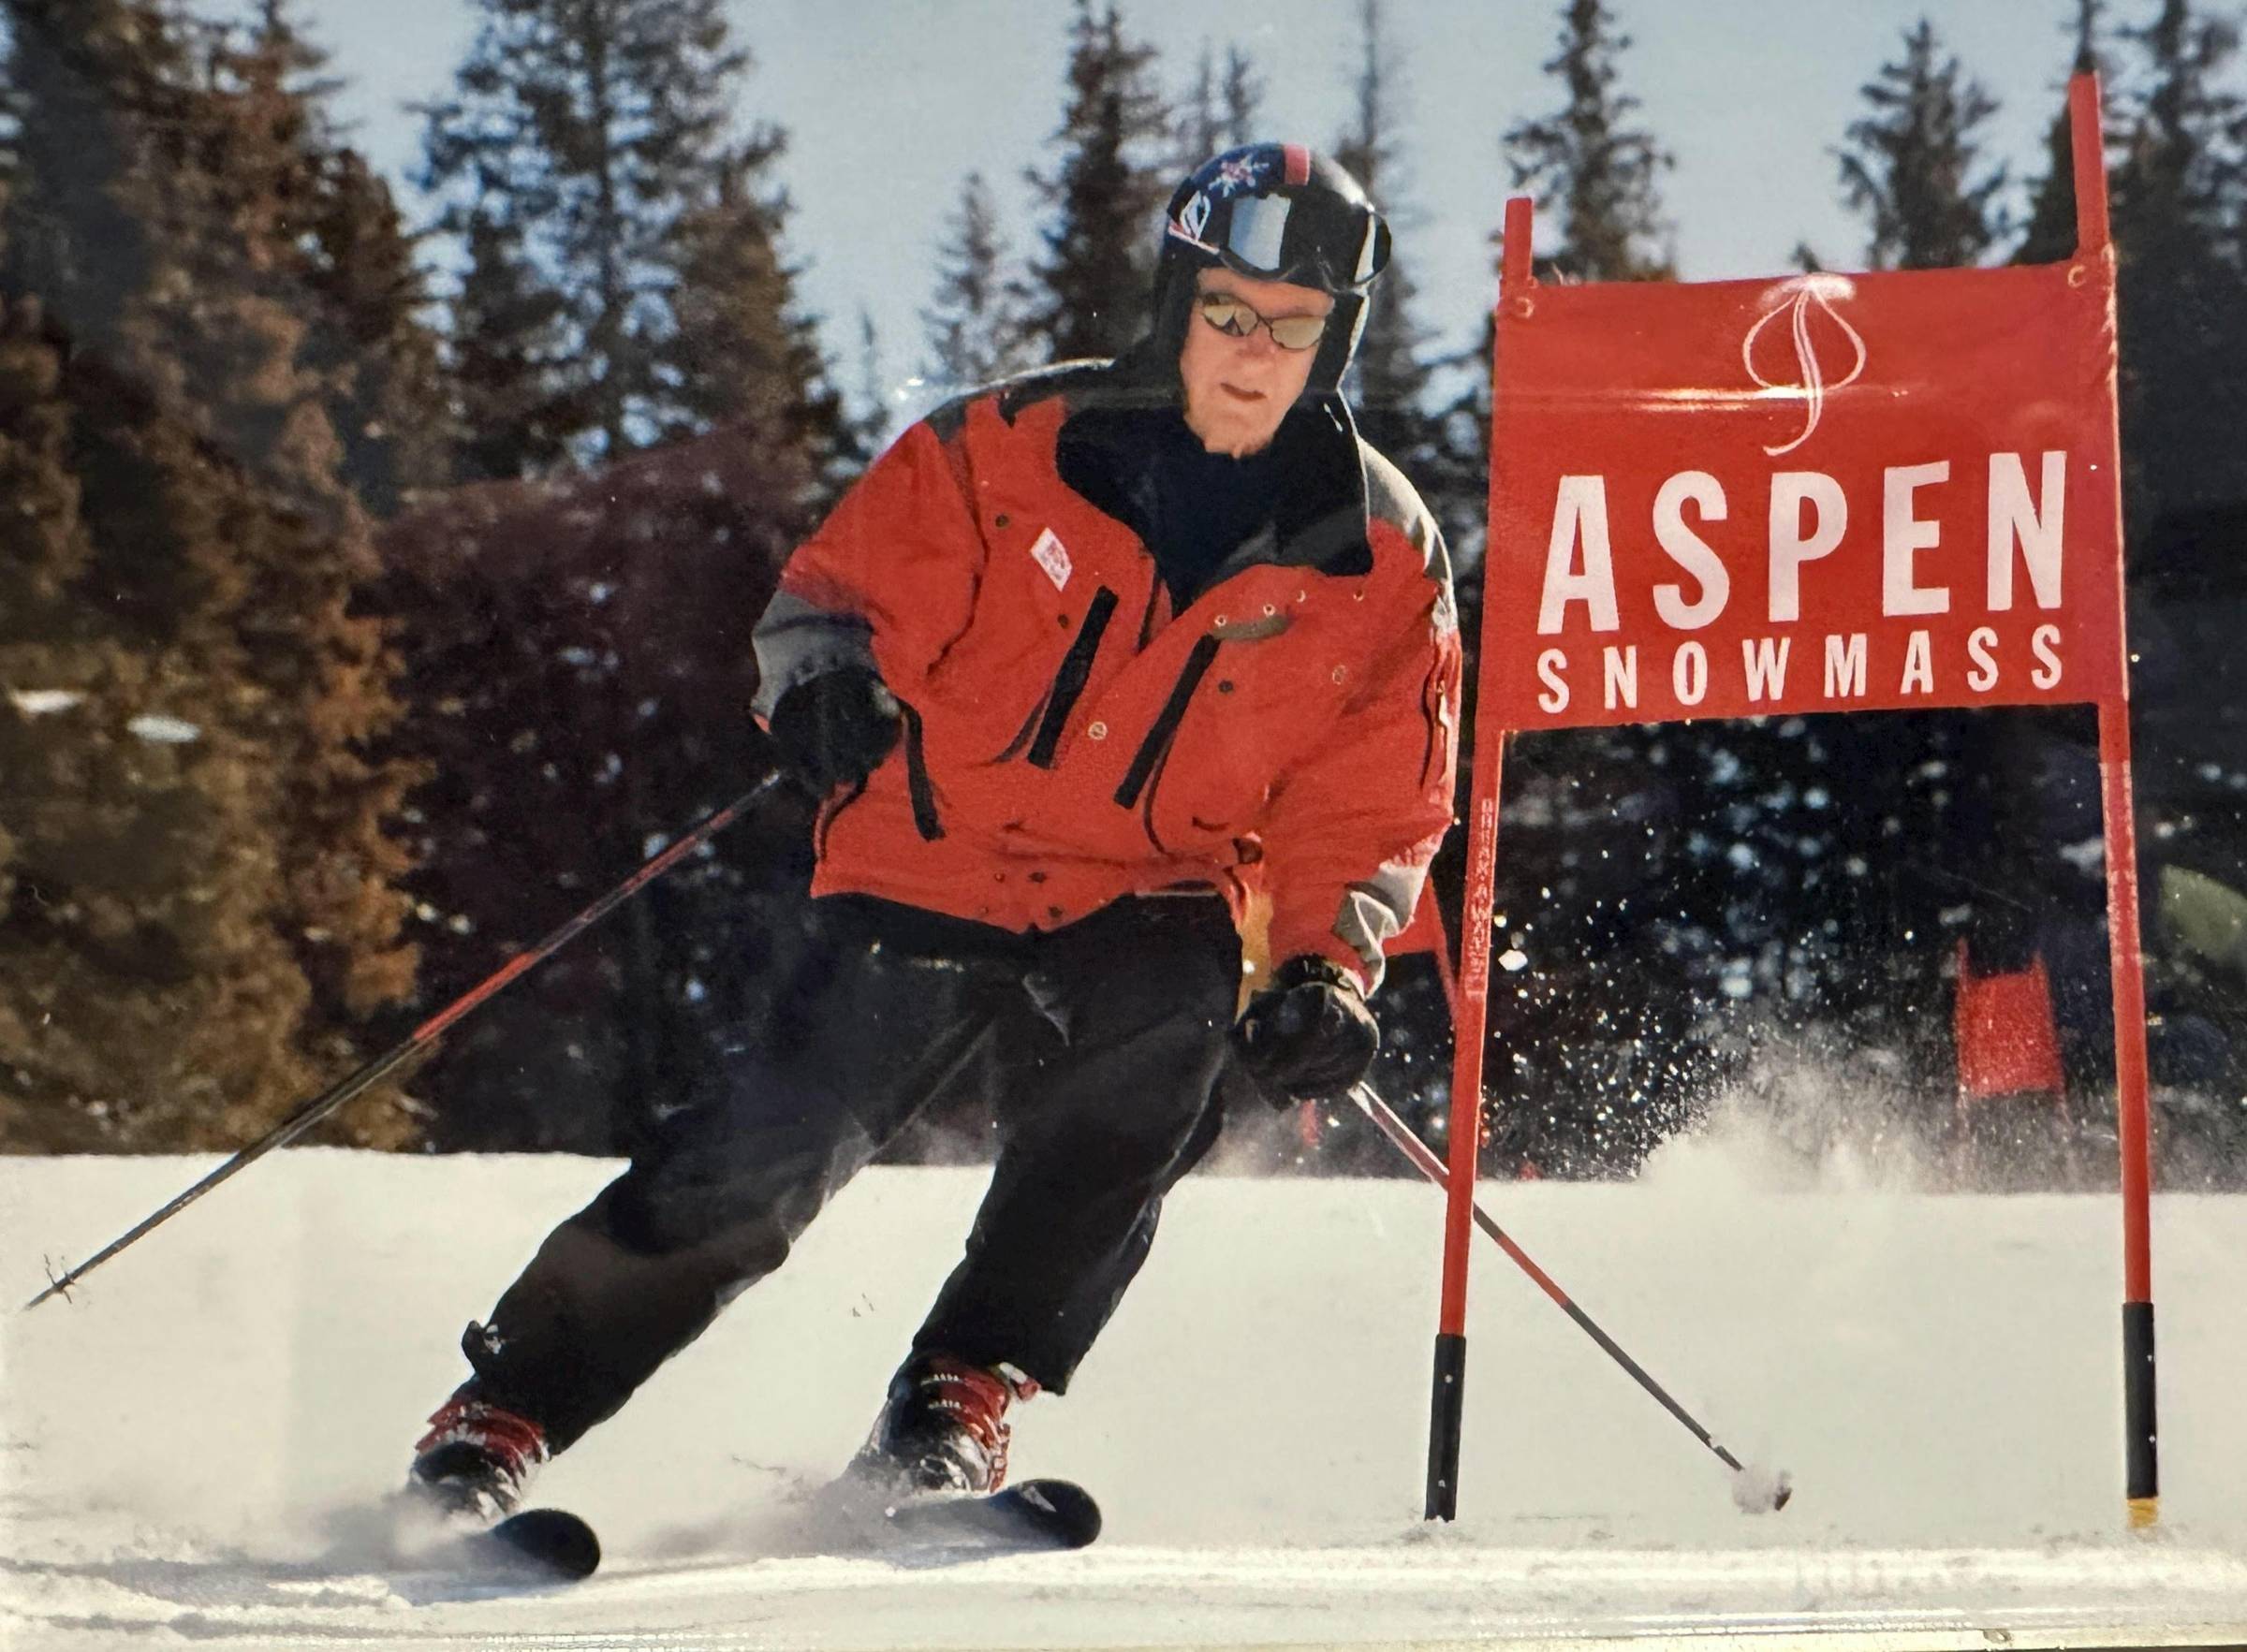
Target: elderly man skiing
1083,661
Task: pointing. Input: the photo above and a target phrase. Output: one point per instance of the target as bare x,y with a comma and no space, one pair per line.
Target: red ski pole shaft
344,1089
1432,1168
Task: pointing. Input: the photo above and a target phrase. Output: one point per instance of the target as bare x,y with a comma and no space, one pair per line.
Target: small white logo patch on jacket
1053,557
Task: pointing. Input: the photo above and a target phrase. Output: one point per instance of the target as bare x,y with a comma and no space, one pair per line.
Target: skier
1082,661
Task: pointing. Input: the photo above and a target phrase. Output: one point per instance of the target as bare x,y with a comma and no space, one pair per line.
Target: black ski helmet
1273,211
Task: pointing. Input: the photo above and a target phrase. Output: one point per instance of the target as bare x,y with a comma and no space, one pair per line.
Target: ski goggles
1340,245
1230,317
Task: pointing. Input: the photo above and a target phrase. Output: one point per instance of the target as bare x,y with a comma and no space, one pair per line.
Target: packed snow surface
191,1447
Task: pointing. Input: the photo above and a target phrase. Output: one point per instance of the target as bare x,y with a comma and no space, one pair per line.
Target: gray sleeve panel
1375,909
1389,498
796,642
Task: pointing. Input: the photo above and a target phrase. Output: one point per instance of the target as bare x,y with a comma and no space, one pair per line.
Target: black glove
835,729
1308,1033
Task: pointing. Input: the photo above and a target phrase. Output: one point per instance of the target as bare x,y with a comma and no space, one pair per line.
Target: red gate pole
2140,1455
1471,1000
2127,965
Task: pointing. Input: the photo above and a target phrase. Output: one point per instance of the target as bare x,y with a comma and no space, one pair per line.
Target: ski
1038,1516
1035,1516
852,1516
538,1545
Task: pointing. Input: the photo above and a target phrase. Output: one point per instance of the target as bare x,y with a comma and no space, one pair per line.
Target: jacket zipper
1068,683
1157,743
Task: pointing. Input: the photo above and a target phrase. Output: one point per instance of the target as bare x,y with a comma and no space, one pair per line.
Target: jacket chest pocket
1232,717
1052,602
1039,739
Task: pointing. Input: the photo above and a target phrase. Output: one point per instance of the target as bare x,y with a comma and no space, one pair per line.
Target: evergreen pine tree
333,252
518,401
1103,197
1220,109
209,834
147,999
1200,116
1243,96
128,904
869,431
1388,380
975,330
579,642
1588,164
1630,911
582,138
580,649
2180,220
2179,199
1913,165
369,341
75,84
738,353
2050,235
243,173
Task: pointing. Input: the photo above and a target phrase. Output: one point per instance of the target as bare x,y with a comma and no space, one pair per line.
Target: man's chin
1236,440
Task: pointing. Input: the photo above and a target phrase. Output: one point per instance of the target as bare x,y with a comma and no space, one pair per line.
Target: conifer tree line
1723,905
379,576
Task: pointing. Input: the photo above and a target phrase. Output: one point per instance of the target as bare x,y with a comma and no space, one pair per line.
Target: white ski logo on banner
1053,557
1794,300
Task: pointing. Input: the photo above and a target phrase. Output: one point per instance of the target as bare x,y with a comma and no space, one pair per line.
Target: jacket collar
1321,519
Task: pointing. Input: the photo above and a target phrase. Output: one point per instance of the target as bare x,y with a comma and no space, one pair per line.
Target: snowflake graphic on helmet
1240,172
1246,173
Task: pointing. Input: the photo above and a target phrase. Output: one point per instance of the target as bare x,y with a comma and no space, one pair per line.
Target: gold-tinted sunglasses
1237,320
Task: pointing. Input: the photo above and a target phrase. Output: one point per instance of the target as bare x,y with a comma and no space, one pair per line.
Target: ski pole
344,1089
1755,1498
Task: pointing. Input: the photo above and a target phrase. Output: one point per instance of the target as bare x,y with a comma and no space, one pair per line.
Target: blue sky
889,105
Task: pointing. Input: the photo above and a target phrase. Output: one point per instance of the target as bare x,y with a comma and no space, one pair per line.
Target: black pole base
1446,1407
2140,1455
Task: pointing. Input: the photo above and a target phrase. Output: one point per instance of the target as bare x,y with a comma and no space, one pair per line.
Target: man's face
1239,390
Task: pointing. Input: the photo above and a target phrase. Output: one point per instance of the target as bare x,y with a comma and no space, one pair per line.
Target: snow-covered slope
187,1448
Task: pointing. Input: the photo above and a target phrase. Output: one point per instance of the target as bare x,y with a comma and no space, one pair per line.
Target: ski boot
476,1462
943,1427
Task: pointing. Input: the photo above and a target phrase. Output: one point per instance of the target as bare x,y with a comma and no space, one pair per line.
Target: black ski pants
1098,1045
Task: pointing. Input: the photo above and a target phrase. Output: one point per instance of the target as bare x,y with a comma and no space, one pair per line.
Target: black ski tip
1061,1507
1785,1491
549,1541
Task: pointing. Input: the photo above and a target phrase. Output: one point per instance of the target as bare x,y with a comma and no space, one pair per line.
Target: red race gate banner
1818,493
1827,493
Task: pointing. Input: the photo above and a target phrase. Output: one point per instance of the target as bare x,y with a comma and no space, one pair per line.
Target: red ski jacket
1070,740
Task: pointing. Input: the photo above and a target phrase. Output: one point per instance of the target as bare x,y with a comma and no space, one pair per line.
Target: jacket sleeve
888,581
1350,831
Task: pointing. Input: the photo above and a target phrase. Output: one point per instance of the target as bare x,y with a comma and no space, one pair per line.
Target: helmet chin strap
1340,347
